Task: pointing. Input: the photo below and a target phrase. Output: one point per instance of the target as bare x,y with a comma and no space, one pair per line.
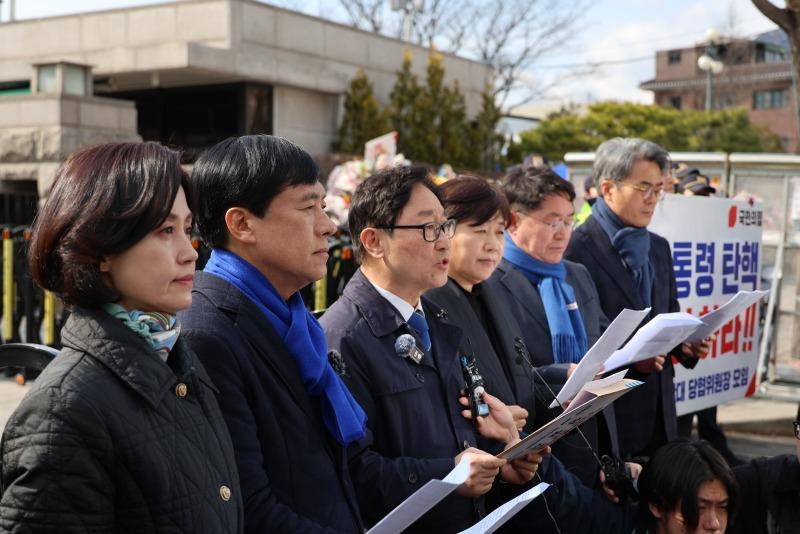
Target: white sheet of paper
615,335
591,389
503,513
664,332
716,319
421,501
568,420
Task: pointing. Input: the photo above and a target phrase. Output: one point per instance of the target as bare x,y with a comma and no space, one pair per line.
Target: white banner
716,252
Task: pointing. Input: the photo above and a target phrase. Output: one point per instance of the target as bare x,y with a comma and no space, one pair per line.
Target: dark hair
674,475
246,172
379,199
104,200
474,200
526,189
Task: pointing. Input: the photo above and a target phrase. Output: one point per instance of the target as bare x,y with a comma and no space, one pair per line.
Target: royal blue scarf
567,333
304,339
632,244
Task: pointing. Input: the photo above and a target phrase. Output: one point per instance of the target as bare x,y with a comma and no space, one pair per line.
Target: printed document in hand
421,501
663,333
592,362
590,400
496,519
714,320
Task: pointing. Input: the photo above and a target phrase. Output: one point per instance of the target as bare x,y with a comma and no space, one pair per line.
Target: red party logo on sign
732,217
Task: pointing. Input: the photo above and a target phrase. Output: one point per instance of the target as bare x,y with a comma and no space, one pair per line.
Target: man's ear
239,223
655,510
513,222
373,242
606,187
105,265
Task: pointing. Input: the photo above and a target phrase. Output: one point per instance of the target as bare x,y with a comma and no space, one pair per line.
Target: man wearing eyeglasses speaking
402,363
632,268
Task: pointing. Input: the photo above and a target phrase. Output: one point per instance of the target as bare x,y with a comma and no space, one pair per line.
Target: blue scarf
567,333
304,339
632,244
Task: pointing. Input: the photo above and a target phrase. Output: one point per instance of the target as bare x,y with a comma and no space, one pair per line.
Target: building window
770,98
766,53
675,102
674,57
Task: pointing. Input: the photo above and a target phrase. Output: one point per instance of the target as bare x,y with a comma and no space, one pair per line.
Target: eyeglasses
430,231
647,191
556,226
796,425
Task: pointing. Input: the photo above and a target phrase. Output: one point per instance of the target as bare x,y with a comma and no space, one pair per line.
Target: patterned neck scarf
159,329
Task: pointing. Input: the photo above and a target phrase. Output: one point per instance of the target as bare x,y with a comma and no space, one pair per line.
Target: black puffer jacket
110,439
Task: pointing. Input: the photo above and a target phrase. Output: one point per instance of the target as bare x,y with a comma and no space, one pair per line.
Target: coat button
420,376
181,390
412,478
225,493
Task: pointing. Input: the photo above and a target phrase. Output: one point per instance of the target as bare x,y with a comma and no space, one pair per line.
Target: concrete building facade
274,70
756,75
188,74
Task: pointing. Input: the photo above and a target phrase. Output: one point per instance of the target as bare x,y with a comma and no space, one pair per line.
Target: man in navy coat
417,428
632,268
262,209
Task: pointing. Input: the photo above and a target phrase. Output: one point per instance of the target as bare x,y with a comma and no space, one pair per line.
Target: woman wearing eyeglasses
121,432
555,303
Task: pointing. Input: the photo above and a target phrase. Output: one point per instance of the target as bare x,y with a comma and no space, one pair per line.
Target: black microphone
337,361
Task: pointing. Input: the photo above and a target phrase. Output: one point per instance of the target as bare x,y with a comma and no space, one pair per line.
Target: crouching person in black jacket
121,432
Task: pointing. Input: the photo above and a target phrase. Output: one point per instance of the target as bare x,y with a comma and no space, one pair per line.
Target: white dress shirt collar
403,308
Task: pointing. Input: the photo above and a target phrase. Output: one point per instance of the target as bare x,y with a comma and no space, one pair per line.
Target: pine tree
485,141
453,130
402,112
362,119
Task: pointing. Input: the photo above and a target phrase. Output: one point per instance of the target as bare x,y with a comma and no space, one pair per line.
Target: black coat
415,426
110,439
293,474
770,490
524,302
646,416
507,378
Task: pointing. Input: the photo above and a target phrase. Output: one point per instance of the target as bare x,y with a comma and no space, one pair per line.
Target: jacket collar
128,355
381,317
523,290
257,331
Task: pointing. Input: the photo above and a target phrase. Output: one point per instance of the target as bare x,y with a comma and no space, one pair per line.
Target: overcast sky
624,31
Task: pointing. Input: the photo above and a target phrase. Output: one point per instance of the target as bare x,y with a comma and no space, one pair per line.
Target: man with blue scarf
632,268
290,415
555,303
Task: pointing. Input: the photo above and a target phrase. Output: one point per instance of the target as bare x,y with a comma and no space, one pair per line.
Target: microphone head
404,344
337,361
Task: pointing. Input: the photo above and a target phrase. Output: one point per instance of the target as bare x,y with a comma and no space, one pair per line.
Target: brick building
756,75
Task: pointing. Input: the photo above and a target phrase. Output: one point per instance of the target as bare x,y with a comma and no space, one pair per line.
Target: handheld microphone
337,362
405,346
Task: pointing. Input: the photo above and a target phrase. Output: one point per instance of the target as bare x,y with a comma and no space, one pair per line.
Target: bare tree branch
774,13
510,35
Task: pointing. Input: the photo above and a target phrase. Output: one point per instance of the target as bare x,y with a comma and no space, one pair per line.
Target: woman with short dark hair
121,432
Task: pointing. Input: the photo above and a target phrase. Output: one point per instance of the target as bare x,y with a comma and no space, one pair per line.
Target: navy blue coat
523,300
415,424
416,428
293,474
646,416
